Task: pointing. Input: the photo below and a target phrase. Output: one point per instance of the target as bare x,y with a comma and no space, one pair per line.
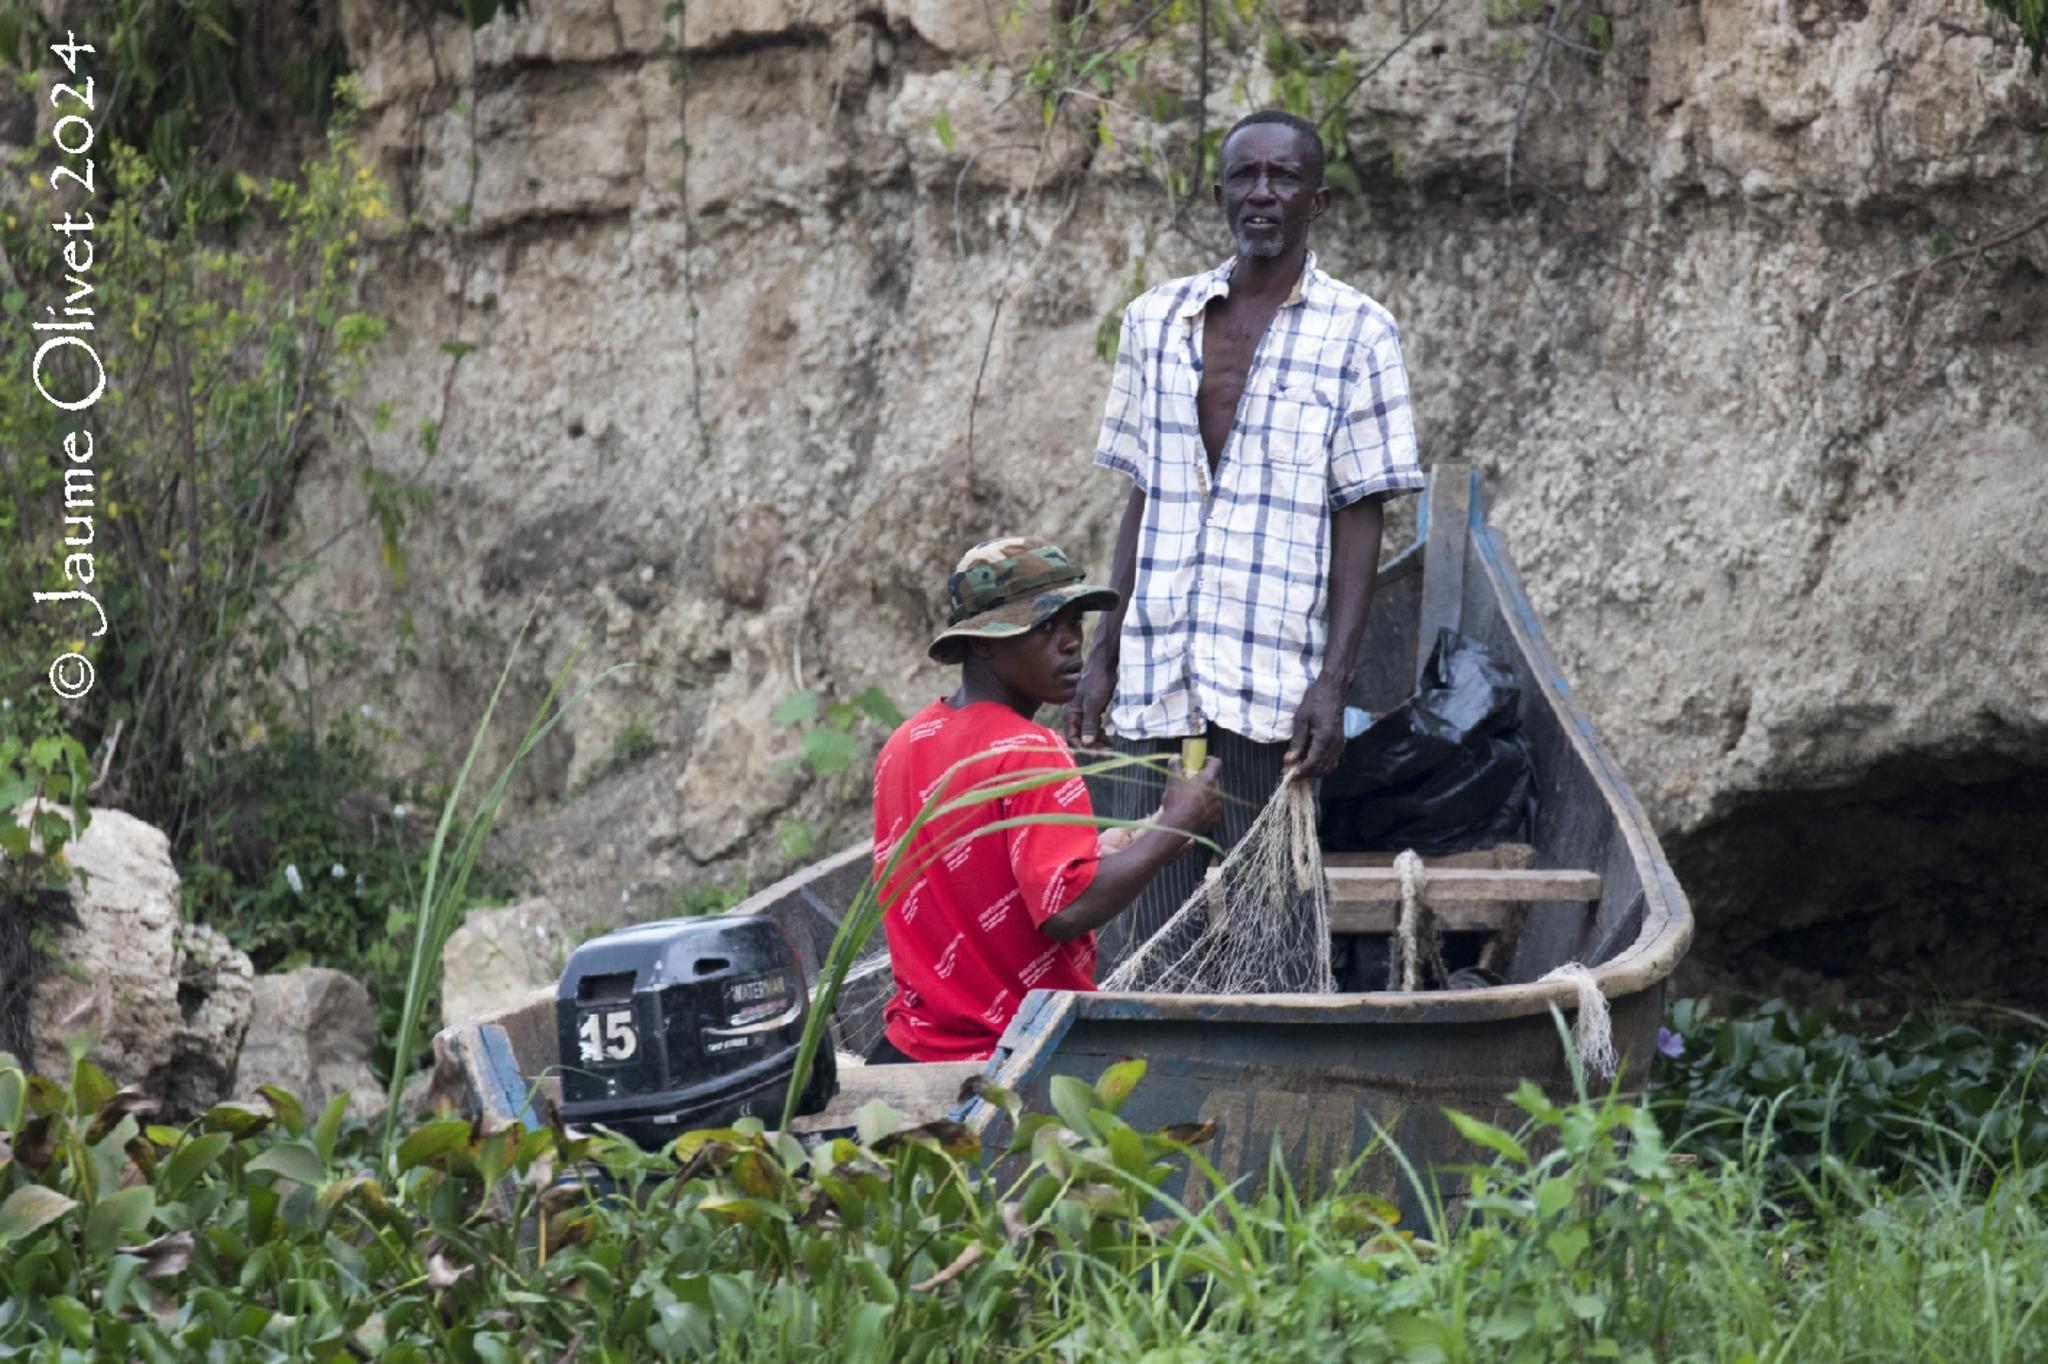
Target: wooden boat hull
1316,1078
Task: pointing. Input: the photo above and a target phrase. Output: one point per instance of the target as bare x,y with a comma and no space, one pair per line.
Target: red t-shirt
965,903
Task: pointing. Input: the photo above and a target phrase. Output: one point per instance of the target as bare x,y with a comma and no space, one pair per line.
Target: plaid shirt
1227,619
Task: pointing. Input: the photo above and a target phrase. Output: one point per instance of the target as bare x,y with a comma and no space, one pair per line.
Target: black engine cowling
682,1024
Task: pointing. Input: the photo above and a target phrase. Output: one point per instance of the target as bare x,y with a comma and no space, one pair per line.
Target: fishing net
1260,923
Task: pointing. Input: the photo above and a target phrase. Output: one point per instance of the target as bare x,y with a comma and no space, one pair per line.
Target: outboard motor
682,1024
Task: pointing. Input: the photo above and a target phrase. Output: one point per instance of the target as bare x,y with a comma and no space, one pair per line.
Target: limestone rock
499,956
215,995
732,786
311,1034
1785,542
176,997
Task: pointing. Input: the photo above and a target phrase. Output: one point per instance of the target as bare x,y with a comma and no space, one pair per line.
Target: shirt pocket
1296,421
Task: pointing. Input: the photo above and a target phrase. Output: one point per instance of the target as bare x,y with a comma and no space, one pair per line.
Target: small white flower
293,879
366,710
398,812
625,897
359,883
6,703
337,871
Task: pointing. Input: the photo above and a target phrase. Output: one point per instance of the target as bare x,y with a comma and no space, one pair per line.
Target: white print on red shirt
1035,969
909,906
927,729
911,998
950,958
957,855
1055,889
993,1015
1071,792
999,911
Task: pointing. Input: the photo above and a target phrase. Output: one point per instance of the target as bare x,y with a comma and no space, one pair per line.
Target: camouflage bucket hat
1004,587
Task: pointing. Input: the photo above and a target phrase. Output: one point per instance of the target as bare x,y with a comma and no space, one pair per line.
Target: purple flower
1670,1043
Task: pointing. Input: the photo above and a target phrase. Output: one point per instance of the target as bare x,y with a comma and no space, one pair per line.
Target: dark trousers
1249,776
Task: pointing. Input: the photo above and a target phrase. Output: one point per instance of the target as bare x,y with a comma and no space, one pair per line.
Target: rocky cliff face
735,412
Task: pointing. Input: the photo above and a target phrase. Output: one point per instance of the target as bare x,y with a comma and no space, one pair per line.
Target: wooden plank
1490,916
919,1092
1503,856
1443,556
1446,886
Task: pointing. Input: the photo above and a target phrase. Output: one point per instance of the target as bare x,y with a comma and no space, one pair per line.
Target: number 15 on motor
608,1036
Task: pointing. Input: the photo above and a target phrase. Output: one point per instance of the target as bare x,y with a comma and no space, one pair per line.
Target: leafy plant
826,727
263,1232
714,898
42,808
2032,18
1803,1094
227,313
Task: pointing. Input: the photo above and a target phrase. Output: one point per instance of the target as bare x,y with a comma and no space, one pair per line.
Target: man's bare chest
1229,343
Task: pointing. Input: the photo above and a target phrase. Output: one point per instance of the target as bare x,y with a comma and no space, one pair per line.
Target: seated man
978,915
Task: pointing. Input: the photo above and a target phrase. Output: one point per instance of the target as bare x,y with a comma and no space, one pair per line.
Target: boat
1321,1080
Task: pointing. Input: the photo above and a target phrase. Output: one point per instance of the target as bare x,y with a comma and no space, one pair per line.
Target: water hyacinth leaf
237,1119
90,1087
120,1216
35,1146
165,1257
290,1115
328,1128
30,1209
73,1316
979,1086
1074,1099
293,1161
1118,1081
193,1159
751,1171
430,1141
874,1120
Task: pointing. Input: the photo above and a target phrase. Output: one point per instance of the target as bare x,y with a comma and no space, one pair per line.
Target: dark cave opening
1924,881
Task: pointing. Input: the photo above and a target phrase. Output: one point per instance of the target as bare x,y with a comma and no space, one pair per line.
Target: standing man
1261,412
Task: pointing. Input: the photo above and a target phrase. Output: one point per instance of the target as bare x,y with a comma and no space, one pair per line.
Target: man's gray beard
1261,250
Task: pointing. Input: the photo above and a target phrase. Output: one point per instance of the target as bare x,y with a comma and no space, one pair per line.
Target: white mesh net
1260,924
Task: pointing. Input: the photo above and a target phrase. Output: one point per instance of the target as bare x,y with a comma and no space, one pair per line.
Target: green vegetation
829,745
2032,17
48,775
1933,1092
265,1233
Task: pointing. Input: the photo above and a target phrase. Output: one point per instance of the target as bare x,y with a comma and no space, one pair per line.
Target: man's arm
1354,561
1098,676
1191,806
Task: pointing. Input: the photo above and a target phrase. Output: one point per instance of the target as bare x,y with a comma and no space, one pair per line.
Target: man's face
1043,664
1268,190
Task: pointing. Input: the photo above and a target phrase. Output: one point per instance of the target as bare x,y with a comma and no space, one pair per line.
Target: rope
1592,1030
1418,937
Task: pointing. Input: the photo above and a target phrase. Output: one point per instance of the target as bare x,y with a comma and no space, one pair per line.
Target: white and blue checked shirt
1227,619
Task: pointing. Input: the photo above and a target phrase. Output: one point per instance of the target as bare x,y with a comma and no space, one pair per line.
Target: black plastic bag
1447,769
